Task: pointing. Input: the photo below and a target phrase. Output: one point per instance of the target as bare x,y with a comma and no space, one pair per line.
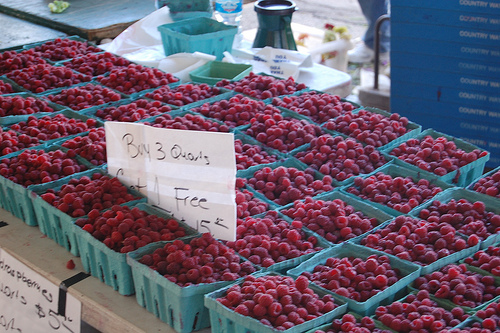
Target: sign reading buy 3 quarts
189,174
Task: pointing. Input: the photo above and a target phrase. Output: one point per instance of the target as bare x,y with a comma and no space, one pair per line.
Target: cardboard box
451,17
445,48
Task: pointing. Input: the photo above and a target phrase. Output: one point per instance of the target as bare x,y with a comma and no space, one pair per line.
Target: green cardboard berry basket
358,317
245,139
485,175
16,198
360,206
223,319
181,307
92,111
492,205
426,269
223,94
73,37
289,162
16,89
464,175
316,92
408,270
9,120
70,114
395,170
349,180
56,224
107,265
282,266
413,129
83,84
448,304
201,34
214,71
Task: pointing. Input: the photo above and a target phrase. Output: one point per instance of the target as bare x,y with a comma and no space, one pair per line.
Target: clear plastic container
230,12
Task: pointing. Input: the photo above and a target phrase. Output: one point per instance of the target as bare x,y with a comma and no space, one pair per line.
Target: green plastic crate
223,319
200,34
408,270
182,308
214,71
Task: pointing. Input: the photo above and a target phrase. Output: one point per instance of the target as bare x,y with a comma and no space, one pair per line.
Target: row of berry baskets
394,230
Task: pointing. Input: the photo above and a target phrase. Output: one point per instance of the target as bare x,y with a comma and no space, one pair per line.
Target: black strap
3,224
63,289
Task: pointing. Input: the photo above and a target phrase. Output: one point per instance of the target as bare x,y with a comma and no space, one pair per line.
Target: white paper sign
189,174
29,303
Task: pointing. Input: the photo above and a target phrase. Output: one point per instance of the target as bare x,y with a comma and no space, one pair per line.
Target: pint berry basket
200,34
182,307
408,272
223,319
107,265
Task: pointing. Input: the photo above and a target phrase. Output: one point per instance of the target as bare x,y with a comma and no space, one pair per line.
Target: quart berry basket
464,175
56,224
408,270
17,199
359,205
394,170
491,205
413,129
9,120
200,34
426,269
488,174
223,319
326,327
107,265
181,307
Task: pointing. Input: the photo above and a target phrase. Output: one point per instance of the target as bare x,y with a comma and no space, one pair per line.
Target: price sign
30,303
189,174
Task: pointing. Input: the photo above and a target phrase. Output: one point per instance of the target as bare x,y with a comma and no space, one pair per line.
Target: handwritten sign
189,174
30,303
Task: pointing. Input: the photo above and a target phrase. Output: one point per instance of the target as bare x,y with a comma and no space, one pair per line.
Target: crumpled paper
269,60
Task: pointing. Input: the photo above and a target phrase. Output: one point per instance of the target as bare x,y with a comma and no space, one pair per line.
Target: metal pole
378,24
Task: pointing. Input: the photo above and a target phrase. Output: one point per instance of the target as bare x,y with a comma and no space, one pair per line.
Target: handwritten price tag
29,302
189,174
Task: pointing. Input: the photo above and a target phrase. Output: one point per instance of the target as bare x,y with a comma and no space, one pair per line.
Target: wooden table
90,19
102,307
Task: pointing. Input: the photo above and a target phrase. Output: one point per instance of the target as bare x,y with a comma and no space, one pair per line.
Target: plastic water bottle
229,12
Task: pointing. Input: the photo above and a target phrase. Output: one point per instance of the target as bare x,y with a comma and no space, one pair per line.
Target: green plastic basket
182,308
200,34
110,266
408,270
214,71
223,319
